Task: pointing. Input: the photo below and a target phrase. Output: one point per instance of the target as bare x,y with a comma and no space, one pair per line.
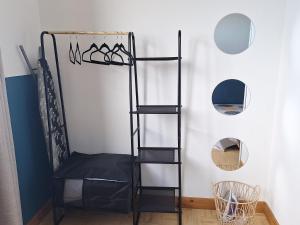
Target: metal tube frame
132,61
179,129
137,101
50,130
179,188
89,33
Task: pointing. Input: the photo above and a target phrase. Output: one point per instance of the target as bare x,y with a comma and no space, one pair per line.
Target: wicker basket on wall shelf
235,202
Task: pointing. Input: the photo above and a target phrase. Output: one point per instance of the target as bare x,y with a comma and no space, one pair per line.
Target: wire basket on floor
235,202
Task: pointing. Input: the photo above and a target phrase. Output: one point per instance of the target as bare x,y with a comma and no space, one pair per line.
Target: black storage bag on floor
106,181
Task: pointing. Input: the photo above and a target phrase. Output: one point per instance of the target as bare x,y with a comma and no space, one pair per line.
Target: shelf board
157,199
157,155
157,109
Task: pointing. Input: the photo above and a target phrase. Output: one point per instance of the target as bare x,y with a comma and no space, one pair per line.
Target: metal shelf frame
155,199
141,196
58,211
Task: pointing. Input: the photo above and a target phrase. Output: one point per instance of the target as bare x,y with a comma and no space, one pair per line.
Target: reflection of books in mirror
231,112
232,148
229,109
228,144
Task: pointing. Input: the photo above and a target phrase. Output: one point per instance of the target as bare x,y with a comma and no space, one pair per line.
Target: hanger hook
71,53
77,53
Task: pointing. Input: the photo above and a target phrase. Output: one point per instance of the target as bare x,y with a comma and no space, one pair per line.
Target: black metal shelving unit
155,199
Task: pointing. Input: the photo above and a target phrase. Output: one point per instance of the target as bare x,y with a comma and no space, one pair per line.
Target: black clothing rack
58,214
156,199
43,55
144,199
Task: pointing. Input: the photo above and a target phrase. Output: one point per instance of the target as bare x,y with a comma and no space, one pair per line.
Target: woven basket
240,212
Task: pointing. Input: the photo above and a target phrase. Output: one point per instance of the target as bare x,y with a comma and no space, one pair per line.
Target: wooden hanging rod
87,33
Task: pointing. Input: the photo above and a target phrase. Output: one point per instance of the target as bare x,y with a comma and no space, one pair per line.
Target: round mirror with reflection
229,154
231,97
234,33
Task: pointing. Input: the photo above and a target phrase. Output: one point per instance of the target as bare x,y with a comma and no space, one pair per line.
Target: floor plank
190,217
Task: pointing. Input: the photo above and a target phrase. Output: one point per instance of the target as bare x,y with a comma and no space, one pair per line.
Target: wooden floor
190,217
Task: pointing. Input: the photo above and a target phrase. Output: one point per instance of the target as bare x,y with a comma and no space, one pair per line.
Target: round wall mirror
229,154
231,97
234,33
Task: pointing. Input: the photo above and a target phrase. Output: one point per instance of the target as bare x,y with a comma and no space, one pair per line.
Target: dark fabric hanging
60,151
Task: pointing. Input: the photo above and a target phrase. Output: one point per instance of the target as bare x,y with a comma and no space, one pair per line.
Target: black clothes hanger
107,54
71,54
93,46
78,54
114,52
121,48
124,50
107,59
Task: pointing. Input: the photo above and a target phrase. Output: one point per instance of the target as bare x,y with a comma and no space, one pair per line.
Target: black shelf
157,109
157,155
157,58
157,199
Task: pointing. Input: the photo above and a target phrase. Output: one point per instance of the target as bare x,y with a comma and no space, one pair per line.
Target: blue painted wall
229,92
31,155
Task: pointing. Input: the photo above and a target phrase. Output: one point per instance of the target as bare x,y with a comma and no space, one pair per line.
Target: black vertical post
138,119
131,130
179,128
61,93
137,105
55,216
55,219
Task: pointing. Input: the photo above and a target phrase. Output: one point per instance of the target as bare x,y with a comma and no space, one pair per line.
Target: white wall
284,179
20,24
97,97
9,194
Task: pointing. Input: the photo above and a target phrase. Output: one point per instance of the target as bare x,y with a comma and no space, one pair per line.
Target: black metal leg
54,214
57,216
138,218
179,127
133,211
180,217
